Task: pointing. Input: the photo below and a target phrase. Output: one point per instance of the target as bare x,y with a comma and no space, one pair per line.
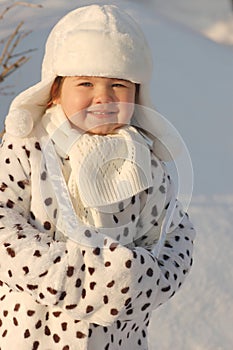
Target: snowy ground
192,43
200,316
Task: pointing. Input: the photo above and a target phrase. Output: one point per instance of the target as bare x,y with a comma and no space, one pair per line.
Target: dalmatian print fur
57,294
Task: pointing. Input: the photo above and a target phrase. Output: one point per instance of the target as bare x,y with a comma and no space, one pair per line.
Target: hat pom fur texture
19,122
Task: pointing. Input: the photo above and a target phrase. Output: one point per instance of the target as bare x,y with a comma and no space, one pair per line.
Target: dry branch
14,35
10,60
10,69
18,3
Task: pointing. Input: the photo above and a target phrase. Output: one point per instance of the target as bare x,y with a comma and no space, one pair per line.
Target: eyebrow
90,77
79,78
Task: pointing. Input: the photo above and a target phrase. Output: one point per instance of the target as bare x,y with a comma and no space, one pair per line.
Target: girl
92,238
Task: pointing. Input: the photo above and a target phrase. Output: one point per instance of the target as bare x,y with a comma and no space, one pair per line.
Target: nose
103,94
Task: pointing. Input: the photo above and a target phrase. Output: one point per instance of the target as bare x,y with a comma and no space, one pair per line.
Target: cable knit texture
106,169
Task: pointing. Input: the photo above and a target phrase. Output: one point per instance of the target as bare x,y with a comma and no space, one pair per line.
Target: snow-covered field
200,316
192,86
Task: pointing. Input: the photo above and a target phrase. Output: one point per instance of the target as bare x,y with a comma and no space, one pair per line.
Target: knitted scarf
105,170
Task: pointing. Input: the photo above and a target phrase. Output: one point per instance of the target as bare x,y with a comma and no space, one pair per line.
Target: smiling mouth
102,114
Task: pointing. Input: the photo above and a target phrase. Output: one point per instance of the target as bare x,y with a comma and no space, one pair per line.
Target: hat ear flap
27,109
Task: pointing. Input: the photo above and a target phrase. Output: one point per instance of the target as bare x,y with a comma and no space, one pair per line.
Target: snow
192,42
200,316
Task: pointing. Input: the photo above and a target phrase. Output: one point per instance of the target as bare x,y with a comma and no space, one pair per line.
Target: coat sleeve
90,283
173,260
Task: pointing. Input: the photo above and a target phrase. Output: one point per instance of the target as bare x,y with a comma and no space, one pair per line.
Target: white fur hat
93,40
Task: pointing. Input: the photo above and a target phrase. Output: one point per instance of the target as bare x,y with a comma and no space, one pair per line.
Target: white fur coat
58,293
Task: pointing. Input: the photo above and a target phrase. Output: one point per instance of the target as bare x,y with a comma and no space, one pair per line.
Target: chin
105,129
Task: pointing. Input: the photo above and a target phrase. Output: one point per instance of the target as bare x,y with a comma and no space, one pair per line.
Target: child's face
97,105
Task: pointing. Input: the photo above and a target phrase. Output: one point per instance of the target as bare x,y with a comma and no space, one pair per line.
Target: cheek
127,108
132,96
69,105
77,118
128,97
126,113
67,108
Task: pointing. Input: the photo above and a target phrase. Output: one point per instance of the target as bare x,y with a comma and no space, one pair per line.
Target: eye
85,83
121,85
